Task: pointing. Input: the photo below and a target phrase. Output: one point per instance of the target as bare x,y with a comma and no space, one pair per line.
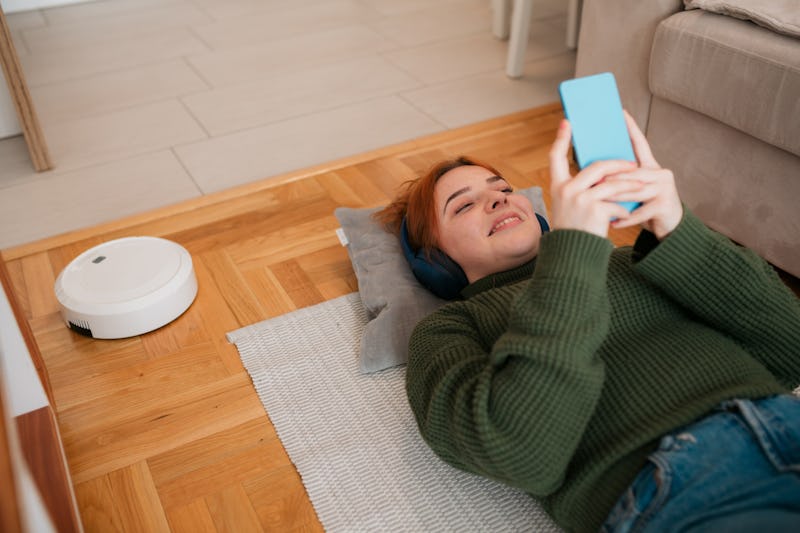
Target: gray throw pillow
393,298
782,16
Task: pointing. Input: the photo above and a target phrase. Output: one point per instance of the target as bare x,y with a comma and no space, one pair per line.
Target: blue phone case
594,110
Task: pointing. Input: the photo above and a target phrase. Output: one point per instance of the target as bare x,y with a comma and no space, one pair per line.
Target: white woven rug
353,438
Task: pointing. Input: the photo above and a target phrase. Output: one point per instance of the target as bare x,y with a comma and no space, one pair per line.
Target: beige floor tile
53,203
85,10
99,30
19,44
121,134
438,23
296,93
297,143
266,60
10,124
103,93
559,23
393,7
484,96
270,25
452,59
236,8
543,9
15,162
24,20
80,62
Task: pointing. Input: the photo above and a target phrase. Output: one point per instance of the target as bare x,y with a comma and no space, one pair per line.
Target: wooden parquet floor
164,431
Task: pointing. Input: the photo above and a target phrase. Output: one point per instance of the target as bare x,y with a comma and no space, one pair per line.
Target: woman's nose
497,201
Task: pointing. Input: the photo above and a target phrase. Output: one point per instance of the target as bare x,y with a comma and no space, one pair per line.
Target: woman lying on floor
632,389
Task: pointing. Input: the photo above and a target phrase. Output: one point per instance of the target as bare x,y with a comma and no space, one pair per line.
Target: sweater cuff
689,246
573,253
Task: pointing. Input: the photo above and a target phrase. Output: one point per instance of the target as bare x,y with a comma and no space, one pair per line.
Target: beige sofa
719,100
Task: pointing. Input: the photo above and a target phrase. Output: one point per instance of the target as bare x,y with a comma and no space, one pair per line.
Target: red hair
416,203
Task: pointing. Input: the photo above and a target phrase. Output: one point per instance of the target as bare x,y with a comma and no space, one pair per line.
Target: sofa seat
698,62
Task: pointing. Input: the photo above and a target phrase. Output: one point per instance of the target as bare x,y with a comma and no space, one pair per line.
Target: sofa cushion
739,73
738,185
782,16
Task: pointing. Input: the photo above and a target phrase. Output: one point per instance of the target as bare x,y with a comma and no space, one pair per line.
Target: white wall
24,390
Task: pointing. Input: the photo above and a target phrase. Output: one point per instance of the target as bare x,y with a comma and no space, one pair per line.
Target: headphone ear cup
440,275
542,223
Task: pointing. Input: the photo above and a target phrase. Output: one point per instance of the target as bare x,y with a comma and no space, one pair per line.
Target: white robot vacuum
126,287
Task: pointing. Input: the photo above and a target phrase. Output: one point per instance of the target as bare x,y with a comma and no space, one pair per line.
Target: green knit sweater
562,383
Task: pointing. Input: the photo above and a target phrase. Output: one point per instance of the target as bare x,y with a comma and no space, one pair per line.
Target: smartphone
594,110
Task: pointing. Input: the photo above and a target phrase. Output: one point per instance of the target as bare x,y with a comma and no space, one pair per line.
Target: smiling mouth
500,225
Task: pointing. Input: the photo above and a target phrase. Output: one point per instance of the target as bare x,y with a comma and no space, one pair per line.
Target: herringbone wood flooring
165,431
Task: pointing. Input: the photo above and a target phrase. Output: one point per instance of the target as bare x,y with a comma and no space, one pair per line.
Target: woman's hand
661,210
586,202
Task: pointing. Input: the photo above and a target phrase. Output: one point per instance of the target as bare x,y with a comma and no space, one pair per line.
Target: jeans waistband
775,423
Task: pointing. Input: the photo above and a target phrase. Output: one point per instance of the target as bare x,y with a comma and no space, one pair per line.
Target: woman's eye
463,207
508,190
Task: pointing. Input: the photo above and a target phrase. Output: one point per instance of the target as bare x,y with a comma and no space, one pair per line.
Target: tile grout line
188,172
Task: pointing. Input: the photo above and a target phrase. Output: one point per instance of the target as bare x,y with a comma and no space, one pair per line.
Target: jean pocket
775,422
640,501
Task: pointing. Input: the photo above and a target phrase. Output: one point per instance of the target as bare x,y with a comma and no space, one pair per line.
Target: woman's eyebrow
453,196
490,179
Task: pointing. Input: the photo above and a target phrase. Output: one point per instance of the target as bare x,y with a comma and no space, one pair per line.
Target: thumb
559,166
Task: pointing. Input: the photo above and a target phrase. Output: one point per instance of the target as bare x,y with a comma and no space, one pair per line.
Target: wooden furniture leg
18,88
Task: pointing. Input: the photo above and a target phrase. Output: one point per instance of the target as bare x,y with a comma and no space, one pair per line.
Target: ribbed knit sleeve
516,409
732,289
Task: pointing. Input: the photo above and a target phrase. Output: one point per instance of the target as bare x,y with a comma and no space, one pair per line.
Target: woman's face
483,225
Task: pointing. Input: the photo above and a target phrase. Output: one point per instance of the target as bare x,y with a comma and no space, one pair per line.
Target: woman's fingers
641,215
640,145
600,171
661,210
613,190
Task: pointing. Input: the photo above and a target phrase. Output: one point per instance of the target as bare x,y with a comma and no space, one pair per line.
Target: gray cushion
782,16
394,299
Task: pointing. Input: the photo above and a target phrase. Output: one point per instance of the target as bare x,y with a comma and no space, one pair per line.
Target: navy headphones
441,275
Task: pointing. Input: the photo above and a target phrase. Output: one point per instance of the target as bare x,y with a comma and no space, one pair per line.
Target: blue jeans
736,470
